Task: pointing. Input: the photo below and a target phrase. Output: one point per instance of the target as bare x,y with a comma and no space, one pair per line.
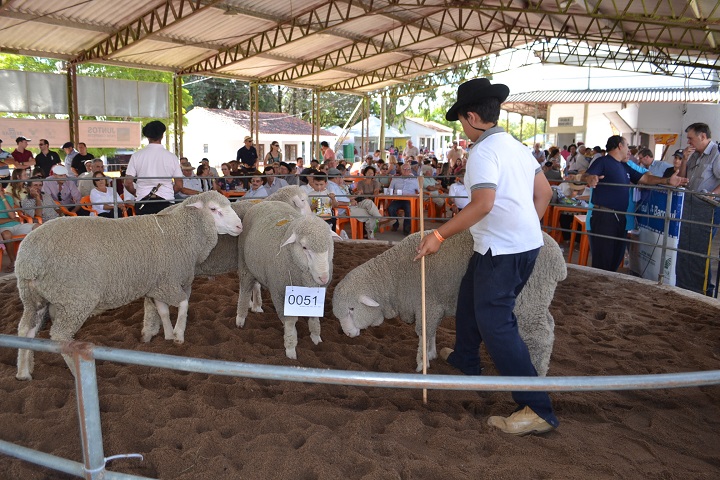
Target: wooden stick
422,287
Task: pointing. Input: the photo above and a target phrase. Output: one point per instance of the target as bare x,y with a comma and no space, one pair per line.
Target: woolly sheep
223,258
152,256
388,286
287,248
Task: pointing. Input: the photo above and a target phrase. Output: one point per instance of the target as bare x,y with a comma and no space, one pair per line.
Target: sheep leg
246,286
65,325
182,318
314,325
30,323
164,311
432,321
256,299
290,330
151,320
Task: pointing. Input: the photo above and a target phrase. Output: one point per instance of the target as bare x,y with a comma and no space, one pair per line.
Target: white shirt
98,199
341,193
307,188
500,162
154,161
193,183
408,185
459,191
277,184
261,192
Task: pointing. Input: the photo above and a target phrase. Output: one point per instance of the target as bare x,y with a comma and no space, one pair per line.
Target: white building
641,115
218,134
427,134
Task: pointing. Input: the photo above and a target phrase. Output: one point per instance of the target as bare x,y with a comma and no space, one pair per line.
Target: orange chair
356,226
579,225
65,211
87,204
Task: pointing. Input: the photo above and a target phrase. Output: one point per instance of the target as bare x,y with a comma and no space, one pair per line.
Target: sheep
281,247
223,258
371,292
152,256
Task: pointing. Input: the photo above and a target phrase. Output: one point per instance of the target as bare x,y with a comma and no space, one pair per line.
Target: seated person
365,210
62,191
432,187
226,183
322,201
103,197
192,185
257,190
37,204
408,185
10,226
552,171
272,182
458,193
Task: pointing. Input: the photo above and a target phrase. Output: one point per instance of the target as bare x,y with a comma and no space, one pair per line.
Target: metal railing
85,354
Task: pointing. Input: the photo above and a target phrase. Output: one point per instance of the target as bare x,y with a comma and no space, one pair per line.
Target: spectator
677,163
552,171
10,226
103,197
555,157
321,200
22,158
46,158
458,194
272,182
62,191
274,155
644,158
213,170
226,183
257,190
70,152
37,204
85,182
701,164
577,162
205,176
153,166
247,155
17,188
192,185
410,150
327,152
364,209
431,186
408,185
565,152
539,154
611,201
4,167
78,162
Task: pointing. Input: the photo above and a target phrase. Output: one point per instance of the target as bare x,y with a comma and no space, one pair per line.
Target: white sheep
281,247
223,258
389,285
152,256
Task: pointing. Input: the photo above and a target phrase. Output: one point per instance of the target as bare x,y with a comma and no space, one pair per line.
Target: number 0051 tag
304,302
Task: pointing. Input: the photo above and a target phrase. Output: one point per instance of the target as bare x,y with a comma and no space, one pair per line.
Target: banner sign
94,133
665,138
651,229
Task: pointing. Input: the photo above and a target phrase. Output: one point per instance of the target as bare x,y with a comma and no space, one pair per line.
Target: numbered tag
304,302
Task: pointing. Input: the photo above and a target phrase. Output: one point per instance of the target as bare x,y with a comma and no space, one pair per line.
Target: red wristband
438,236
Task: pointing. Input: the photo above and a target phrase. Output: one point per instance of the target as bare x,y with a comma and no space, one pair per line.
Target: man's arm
129,185
177,184
675,180
542,194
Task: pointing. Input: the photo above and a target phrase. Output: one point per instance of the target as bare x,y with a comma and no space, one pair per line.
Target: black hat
473,91
68,145
154,129
678,153
21,139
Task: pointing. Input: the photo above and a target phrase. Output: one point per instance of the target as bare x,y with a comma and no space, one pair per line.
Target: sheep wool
389,285
152,256
282,247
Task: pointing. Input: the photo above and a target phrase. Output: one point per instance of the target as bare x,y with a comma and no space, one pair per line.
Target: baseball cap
678,153
68,145
58,170
333,172
22,139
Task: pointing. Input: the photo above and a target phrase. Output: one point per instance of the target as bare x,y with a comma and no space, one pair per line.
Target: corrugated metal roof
358,45
620,95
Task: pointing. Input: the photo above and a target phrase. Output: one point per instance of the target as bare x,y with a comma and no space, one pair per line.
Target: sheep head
356,311
311,244
225,219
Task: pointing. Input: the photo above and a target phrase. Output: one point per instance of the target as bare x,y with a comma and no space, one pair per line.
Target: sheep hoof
315,338
146,338
179,341
169,336
23,377
290,353
257,309
239,321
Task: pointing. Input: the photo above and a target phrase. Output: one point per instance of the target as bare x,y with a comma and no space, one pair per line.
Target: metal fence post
88,402
666,234
115,197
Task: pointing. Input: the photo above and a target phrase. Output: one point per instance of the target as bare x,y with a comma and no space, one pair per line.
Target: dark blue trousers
485,314
404,205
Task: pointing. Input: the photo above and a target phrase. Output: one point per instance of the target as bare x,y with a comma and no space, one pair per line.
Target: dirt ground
194,426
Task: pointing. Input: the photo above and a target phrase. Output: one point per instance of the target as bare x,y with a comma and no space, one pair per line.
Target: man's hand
677,181
689,150
429,245
592,180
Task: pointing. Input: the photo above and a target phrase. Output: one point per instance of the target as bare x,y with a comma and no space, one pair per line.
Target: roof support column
366,127
315,124
177,115
535,129
254,114
383,106
522,117
73,103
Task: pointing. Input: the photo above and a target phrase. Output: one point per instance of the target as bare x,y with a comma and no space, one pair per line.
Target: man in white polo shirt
153,167
508,196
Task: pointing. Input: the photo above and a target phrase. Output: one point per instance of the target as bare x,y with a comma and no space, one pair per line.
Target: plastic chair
356,225
579,225
65,211
87,205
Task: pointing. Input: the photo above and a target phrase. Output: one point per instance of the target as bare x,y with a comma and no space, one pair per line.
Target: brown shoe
522,422
445,353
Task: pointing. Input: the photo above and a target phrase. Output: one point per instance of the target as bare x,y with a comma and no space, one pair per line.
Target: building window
205,148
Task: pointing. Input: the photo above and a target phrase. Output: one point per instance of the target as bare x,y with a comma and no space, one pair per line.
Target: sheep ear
291,239
197,204
365,300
